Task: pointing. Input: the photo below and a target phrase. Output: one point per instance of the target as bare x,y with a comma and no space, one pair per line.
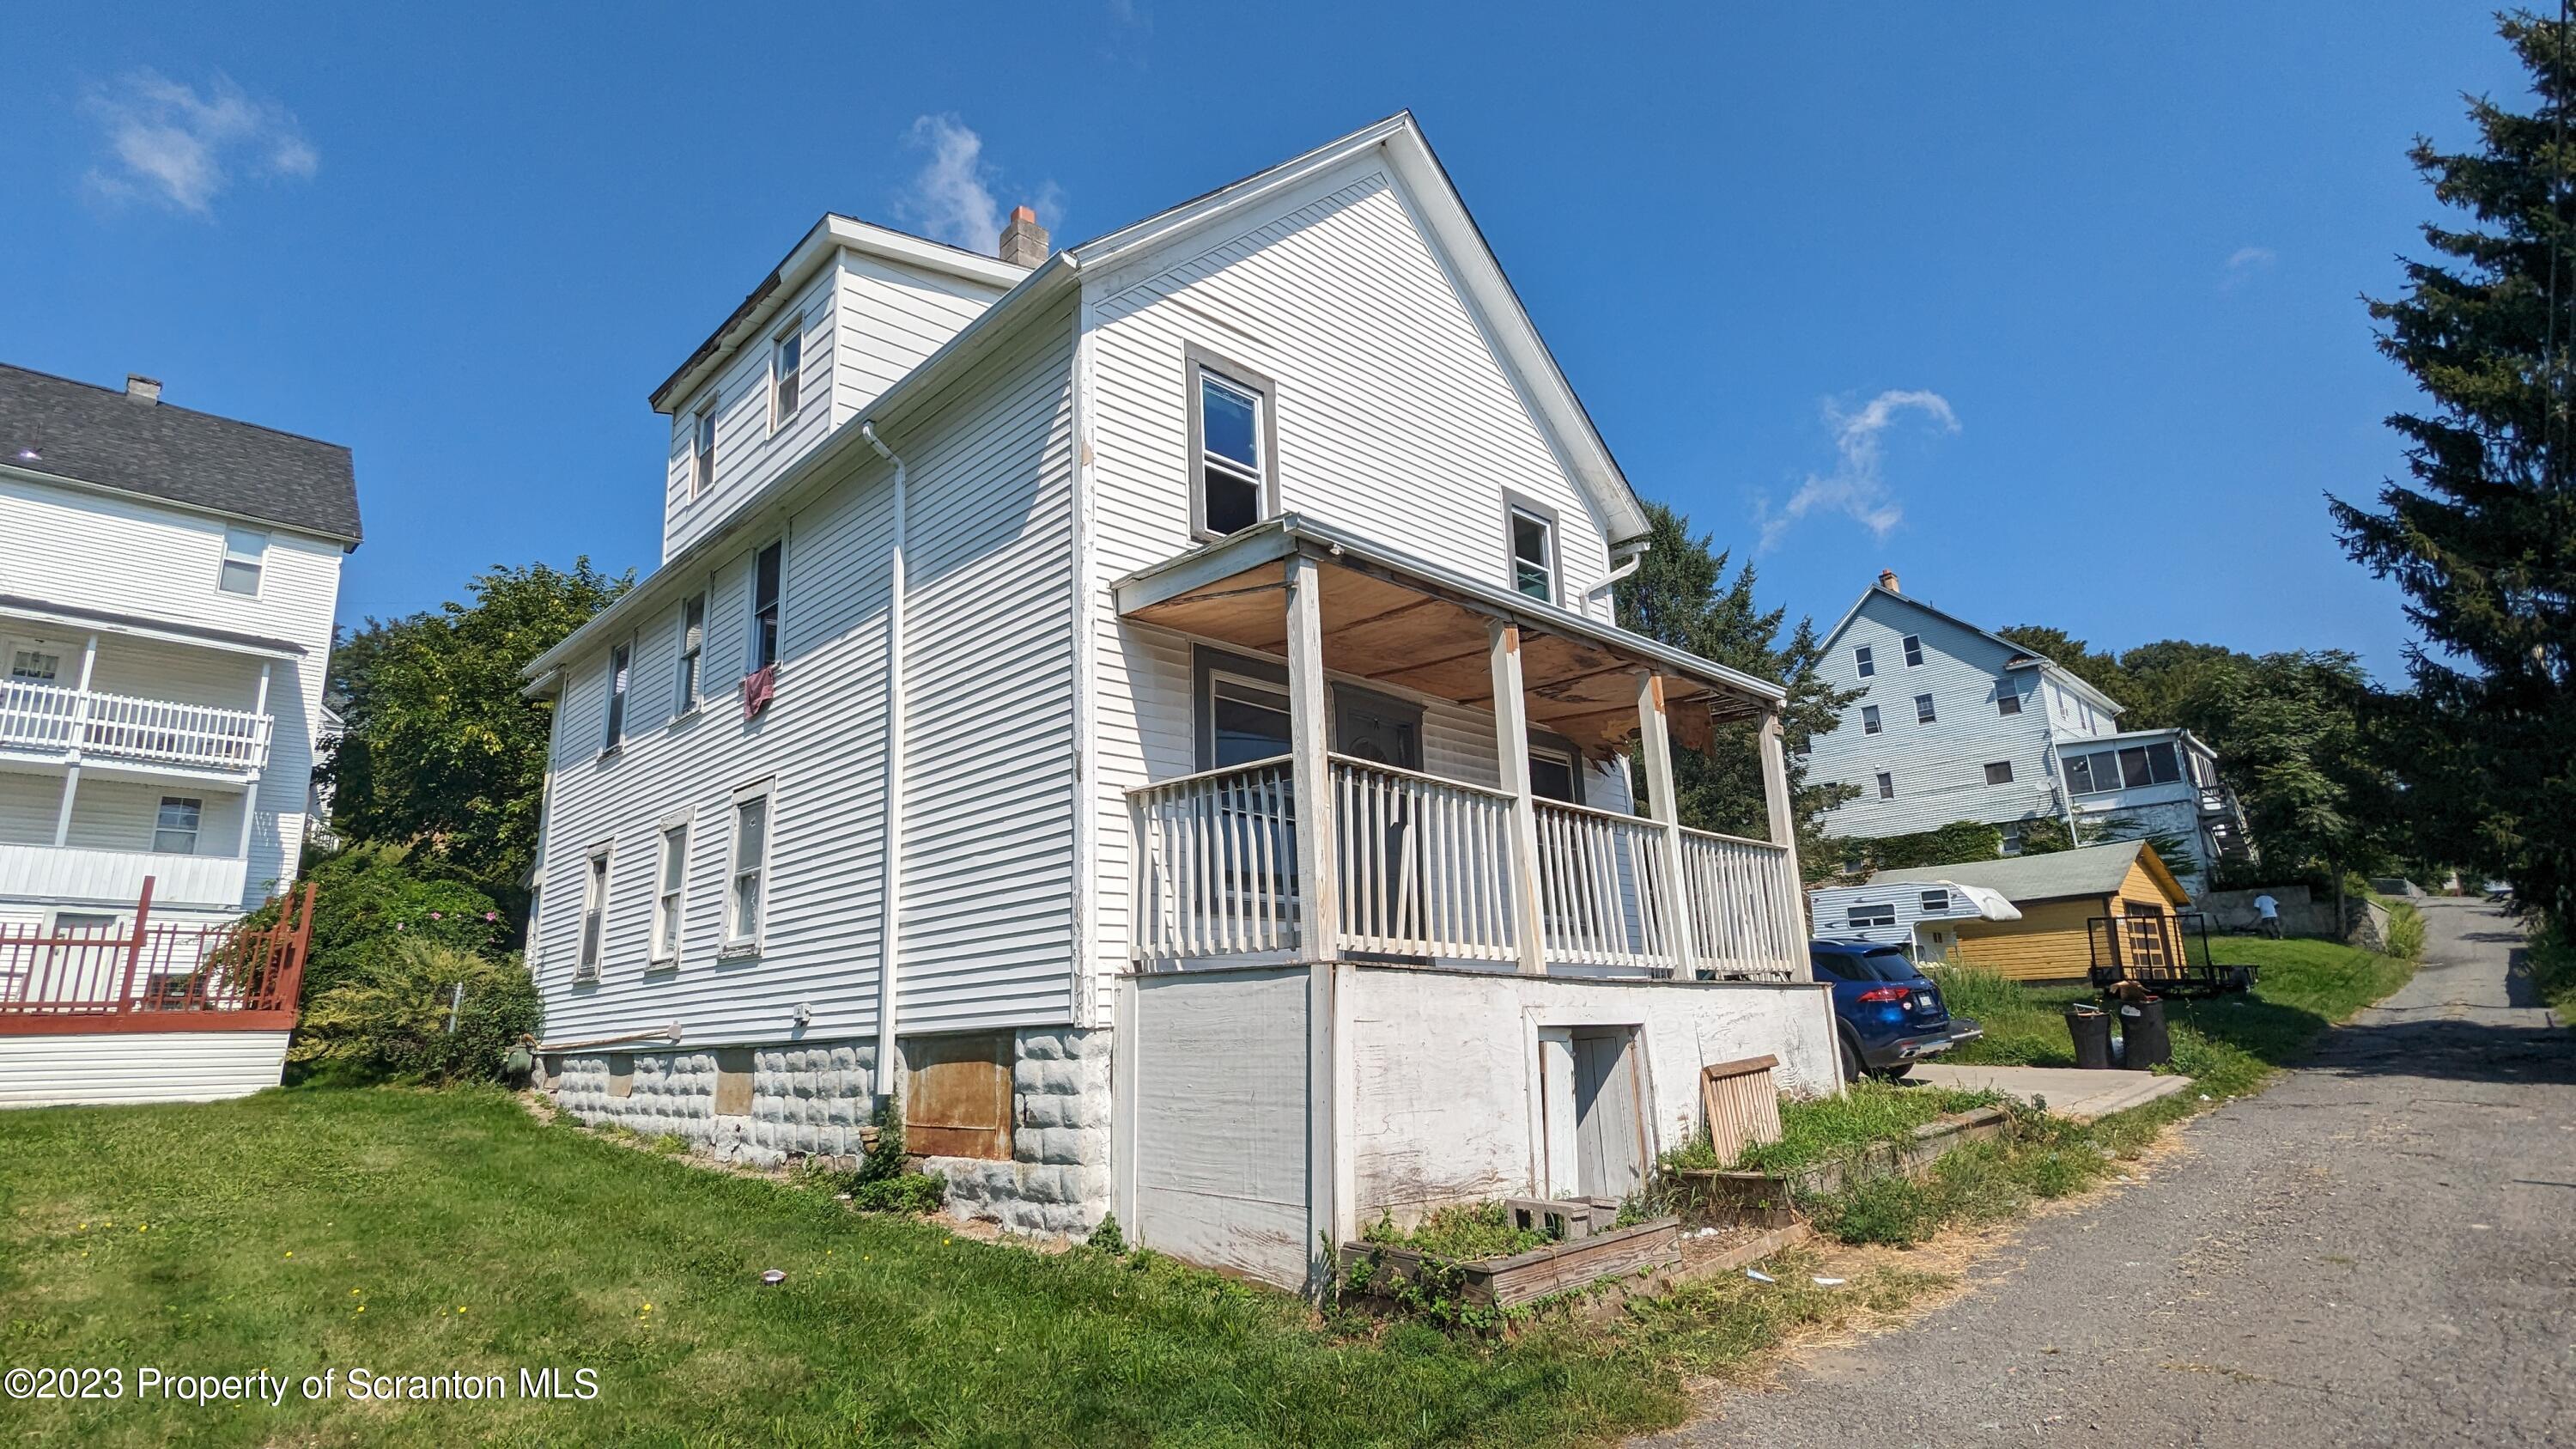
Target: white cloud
1857,486
2245,262
952,196
170,143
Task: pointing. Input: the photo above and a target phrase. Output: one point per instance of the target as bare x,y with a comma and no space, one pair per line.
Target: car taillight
1885,993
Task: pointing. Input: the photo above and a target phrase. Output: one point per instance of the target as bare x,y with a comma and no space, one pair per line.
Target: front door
1382,901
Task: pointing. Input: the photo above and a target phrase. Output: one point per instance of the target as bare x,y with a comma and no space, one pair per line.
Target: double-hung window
748,878
621,658
1923,709
670,890
2007,698
1533,553
245,555
594,915
1863,661
1886,785
702,451
1230,439
174,830
1869,724
693,646
764,606
1913,651
786,372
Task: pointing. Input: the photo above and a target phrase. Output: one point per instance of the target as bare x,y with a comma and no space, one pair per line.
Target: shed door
1609,1130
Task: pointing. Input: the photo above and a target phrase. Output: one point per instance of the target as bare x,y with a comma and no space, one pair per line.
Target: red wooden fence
155,977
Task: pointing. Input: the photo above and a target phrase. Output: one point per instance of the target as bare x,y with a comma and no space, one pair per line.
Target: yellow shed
2060,894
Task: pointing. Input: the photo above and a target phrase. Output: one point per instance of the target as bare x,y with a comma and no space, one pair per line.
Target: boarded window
733,1081
957,1099
621,1074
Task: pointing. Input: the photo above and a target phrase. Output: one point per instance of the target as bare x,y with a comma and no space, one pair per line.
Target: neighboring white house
166,597
1955,723
166,592
1921,916
1177,674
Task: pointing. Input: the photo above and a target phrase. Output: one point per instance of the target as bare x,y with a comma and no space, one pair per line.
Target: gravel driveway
2379,1250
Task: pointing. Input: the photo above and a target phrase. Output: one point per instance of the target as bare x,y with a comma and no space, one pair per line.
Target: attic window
1533,554
1232,476
786,372
702,451
245,556
1862,661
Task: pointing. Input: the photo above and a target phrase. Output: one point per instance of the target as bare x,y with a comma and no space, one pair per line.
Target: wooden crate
1526,1277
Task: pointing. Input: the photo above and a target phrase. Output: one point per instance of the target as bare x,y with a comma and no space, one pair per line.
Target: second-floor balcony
61,723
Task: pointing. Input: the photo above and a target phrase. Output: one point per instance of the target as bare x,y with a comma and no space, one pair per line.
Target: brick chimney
1024,242
1887,581
142,389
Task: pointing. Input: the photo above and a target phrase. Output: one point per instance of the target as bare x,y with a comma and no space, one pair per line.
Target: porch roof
73,618
1399,620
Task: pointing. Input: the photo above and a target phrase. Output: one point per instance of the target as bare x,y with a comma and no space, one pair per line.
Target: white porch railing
1747,916
56,719
1426,872
1425,864
1600,884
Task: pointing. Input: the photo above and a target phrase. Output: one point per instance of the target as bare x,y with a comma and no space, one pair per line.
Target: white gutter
1620,570
890,876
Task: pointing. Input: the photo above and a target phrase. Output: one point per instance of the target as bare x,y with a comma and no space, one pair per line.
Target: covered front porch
1314,810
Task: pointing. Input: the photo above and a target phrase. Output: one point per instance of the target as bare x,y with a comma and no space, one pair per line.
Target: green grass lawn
420,1233
2229,1044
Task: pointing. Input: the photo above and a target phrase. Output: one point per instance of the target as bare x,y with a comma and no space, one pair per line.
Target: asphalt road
2381,1249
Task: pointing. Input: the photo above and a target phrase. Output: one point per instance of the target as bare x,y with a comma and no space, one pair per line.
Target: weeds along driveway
2379,1250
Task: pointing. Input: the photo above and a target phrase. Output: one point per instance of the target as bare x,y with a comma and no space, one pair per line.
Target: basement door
1596,1122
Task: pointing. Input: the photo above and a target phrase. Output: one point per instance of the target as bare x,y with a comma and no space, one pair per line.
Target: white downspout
1625,566
890,876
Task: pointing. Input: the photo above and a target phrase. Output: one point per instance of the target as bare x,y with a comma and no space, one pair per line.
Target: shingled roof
101,436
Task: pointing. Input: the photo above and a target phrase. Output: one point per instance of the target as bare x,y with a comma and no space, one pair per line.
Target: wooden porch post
80,738
1775,793
1331,1175
1511,741
1664,805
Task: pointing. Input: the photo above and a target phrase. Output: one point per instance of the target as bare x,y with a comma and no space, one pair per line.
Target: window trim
1864,661
1195,361
738,942
671,901
1924,712
590,944
781,378
1910,649
612,704
689,667
256,560
702,448
1887,784
752,663
1870,722
1518,506
196,831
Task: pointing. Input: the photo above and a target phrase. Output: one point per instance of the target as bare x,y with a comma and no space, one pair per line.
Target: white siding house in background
1155,707
1955,723
166,593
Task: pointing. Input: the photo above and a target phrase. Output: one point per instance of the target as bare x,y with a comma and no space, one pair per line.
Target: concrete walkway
2379,1250
2079,1095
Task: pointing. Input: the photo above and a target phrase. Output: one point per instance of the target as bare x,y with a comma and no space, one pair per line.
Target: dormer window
702,451
1230,438
786,372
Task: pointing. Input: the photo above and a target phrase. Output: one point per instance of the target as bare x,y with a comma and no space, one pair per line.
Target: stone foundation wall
1057,1181
810,1098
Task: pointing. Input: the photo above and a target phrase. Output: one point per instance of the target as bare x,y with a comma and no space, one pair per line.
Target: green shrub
371,899
1106,1237
1952,844
1460,1231
388,1021
910,1192
2405,931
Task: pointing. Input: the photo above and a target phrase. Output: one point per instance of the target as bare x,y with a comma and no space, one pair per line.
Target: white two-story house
1954,723
166,592
1155,708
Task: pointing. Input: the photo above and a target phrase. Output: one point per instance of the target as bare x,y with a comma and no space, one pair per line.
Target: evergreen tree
1681,595
2481,535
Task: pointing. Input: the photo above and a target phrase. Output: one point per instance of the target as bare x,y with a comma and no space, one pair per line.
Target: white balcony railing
59,720
71,873
1426,871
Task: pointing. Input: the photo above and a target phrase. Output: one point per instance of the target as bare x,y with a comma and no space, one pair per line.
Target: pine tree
2482,534
1682,596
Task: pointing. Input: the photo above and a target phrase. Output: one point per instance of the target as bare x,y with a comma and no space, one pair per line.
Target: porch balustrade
1425,873
60,720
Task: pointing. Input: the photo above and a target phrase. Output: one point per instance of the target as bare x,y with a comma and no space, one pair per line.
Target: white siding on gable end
890,318
1939,768
1393,418
749,449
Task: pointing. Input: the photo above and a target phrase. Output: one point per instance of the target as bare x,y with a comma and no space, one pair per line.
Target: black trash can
2091,1029
2144,1041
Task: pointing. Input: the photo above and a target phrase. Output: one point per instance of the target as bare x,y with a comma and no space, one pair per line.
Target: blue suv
1888,1014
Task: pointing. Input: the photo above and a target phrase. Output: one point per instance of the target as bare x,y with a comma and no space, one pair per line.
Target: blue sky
2055,309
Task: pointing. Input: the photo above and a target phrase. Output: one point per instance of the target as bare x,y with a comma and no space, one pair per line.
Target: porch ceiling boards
1401,621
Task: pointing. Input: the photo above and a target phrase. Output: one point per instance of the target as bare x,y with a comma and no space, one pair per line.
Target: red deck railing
155,977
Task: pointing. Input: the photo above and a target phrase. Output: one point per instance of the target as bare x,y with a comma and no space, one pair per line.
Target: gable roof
2089,870
65,431
2023,658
